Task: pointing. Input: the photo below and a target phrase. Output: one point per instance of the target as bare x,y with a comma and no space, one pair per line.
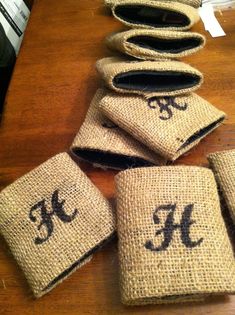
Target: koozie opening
155,17
82,260
169,299
109,159
200,133
155,81
168,45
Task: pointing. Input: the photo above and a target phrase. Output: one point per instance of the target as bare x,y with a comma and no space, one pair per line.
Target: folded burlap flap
170,126
154,44
104,144
149,78
173,243
223,165
171,15
54,219
193,3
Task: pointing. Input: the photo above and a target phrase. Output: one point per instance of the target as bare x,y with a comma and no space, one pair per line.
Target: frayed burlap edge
192,3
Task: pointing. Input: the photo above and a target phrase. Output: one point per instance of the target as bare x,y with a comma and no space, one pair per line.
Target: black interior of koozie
155,81
66,272
150,16
201,133
175,298
173,46
111,160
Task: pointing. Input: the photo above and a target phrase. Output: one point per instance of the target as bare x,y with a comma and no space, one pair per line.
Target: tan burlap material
104,144
54,219
154,44
171,15
193,3
169,126
223,165
150,78
173,243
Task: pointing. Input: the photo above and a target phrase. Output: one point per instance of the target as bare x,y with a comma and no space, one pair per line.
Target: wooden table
53,83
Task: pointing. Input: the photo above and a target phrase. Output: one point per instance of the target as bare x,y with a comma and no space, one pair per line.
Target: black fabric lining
200,133
173,46
154,81
175,297
156,17
111,159
78,262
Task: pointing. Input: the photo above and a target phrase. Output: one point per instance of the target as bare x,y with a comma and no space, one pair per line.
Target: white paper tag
222,4
14,15
211,24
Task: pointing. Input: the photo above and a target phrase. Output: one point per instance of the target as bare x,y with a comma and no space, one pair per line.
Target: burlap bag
150,78
169,126
192,3
223,165
155,44
105,145
173,244
170,15
53,220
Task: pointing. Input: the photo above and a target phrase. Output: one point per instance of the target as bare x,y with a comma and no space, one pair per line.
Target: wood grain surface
52,86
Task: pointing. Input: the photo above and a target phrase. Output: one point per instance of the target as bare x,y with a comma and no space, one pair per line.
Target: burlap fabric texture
223,165
150,78
104,144
173,244
54,219
192,3
169,126
155,44
170,15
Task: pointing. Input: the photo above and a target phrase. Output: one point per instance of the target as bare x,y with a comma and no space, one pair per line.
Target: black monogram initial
170,227
165,105
46,216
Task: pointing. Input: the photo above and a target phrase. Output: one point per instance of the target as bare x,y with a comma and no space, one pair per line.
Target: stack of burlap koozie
173,244
151,93
148,114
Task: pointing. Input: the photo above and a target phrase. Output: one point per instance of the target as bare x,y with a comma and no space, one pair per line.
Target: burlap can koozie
193,3
155,44
171,15
158,78
170,126
223,165
54,219
173,244
104,144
